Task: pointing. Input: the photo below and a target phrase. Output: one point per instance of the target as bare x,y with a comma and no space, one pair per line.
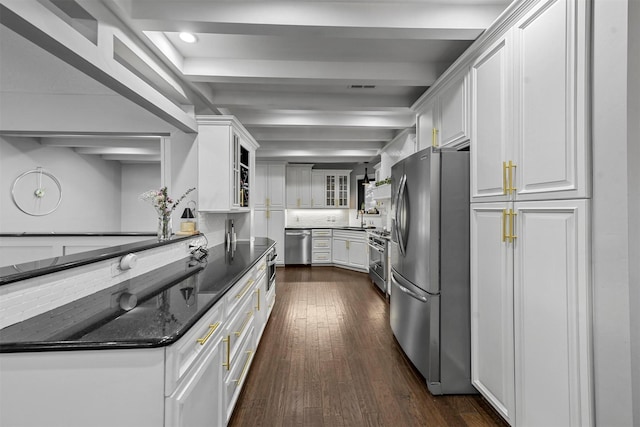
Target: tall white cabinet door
304,184
454,115
276,186
552,312
492,357
261,223
276,232
317,189
550,101
260,189
490,122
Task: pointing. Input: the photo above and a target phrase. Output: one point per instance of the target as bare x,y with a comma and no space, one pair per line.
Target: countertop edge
42,347
83,258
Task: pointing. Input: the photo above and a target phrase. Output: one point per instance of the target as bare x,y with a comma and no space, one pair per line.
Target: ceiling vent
362,86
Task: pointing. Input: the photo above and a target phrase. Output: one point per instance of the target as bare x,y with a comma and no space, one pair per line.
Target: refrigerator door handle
400,226
407,291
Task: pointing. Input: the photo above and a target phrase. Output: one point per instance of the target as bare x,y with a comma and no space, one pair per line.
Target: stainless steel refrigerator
429,307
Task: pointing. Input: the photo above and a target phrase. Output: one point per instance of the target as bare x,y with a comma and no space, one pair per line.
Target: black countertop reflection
171,299
27,270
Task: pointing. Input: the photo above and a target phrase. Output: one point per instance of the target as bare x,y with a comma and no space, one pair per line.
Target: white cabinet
321,242
270,223
453,114
530,306
491,123
298,186
198,401
552,312
491,271
225,164
269,215
530,109
269,186
317,189
349,249
331,188
443,119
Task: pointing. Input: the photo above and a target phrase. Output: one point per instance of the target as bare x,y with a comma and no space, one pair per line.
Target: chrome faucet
363,222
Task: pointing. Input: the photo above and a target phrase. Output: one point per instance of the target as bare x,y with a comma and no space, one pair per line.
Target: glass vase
164,227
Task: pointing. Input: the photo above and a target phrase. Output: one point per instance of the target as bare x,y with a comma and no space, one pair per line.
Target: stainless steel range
378,269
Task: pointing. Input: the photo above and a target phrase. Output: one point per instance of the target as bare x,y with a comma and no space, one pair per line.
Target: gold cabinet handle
244,325
504,225
263,266
227,364
298,202
268,214
512,221
267,202
244,368
511,166
257,291
212,329
434,137
245,289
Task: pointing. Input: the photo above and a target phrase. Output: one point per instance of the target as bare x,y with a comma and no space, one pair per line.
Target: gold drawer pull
227,364
244,368
212,329
257,291
263,266
244,325
246,288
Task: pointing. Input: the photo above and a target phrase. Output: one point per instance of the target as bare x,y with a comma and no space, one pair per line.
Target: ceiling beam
363,99
311,72
324,118
322,145
101,142
416,20
130,158
320,134
118,151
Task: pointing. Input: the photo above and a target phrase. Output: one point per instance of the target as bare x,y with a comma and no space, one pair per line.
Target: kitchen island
176,356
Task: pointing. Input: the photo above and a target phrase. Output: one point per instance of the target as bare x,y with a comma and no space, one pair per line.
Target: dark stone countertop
336,227
163,314
27,270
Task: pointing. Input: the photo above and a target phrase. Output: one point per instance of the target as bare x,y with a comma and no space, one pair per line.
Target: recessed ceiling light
188,38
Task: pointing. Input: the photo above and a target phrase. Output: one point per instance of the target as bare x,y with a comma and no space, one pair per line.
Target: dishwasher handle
298,233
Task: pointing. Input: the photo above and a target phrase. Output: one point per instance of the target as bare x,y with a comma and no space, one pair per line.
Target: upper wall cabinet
298,185
529,132
269,188
443,120
226,159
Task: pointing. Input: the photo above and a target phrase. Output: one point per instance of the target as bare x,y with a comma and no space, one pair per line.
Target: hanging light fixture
365,181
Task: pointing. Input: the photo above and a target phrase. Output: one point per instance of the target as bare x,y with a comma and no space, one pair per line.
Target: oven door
377,259
271,268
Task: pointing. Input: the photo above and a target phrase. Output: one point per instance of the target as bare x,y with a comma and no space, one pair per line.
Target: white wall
136,214
614,217
91,188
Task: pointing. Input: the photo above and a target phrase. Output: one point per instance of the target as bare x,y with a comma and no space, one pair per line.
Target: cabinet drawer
321,258
238,373
261,268
321,243
321,232
350,235
187,351
240,292
238,326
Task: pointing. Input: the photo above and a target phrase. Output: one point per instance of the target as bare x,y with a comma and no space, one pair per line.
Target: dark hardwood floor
328,358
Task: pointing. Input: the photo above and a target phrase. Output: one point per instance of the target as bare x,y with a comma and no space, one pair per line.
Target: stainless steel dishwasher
297,246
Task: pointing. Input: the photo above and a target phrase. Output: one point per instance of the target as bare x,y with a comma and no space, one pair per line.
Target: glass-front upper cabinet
226,155
337,188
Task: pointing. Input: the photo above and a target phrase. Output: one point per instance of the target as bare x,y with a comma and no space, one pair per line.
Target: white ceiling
286,68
